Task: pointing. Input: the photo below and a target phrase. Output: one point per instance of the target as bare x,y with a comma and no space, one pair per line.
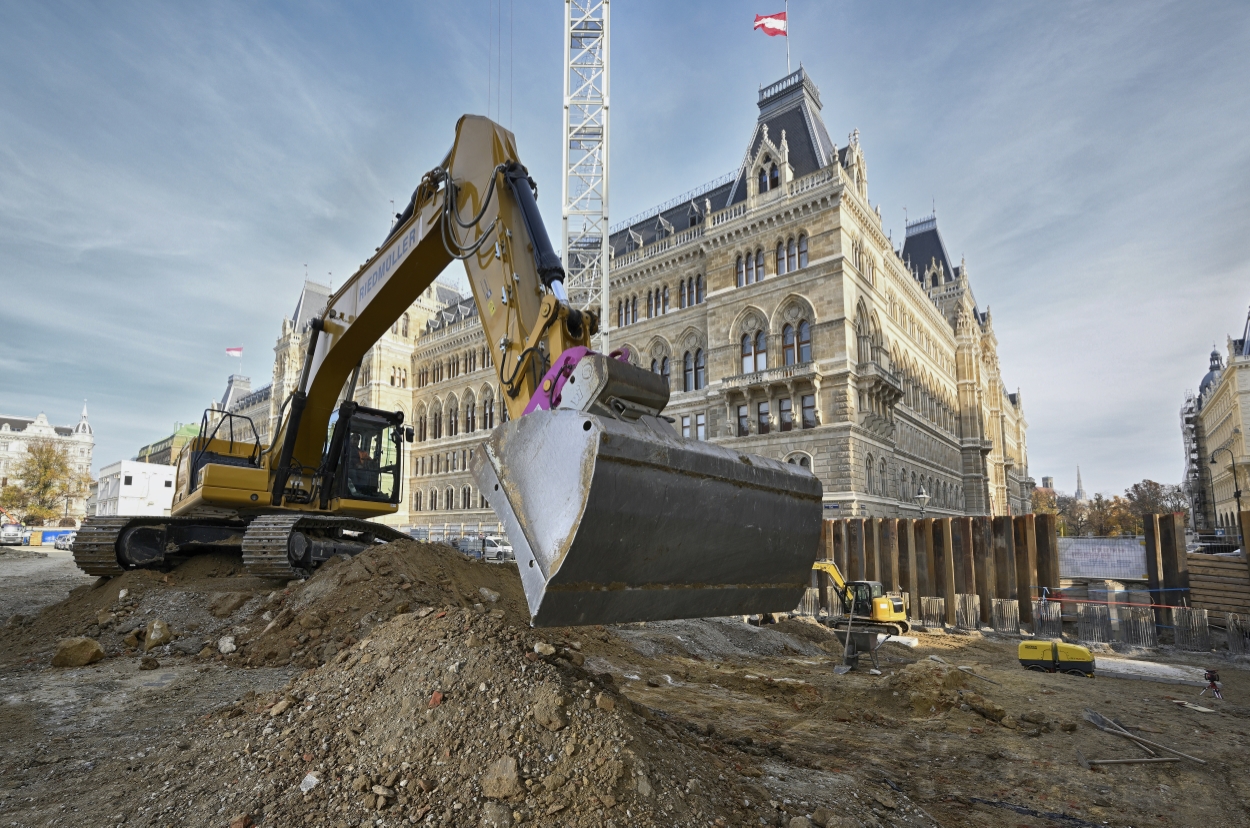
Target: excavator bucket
618,519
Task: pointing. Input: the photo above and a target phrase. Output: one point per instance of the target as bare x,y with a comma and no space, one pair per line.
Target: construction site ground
405,687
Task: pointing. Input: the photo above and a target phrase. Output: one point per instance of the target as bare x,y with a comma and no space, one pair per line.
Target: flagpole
787,38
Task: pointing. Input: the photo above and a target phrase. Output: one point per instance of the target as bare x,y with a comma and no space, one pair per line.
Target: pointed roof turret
1080,490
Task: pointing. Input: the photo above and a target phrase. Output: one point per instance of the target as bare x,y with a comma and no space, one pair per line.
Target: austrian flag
235,352
772,24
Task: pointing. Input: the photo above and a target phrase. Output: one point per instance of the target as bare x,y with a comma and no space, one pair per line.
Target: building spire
1080,490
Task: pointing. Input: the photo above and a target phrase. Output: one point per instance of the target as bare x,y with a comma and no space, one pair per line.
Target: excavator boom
613,516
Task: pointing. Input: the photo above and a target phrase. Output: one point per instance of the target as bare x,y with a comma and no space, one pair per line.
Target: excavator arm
613,516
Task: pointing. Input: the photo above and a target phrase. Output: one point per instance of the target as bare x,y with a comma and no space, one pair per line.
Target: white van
496,548
11,534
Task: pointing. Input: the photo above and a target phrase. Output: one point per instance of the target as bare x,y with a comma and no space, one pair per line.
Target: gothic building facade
786,322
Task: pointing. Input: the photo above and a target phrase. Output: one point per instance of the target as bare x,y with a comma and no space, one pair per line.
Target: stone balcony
783,375
882,383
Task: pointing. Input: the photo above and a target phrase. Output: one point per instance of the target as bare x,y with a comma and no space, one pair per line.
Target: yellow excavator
865,606
613,516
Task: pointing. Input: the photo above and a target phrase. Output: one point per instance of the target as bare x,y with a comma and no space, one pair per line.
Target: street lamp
923,497
1236,489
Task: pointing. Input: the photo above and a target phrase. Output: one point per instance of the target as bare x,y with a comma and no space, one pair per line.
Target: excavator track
95,546
267,540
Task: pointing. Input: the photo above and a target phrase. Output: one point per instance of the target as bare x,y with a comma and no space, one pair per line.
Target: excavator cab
363,455
865,593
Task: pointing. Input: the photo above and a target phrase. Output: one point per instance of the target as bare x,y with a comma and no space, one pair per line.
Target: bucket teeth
616,521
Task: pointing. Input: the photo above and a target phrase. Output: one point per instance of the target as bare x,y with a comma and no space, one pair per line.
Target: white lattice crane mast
585,186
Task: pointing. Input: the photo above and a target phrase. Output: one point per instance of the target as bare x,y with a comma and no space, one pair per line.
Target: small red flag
772,24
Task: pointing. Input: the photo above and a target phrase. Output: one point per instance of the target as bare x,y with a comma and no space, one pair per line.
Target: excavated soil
405,687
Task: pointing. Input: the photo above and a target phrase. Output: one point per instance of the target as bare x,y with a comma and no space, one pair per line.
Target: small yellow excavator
613,516
865,605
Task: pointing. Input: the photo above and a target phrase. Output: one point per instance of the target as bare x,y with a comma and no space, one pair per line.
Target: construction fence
1003,573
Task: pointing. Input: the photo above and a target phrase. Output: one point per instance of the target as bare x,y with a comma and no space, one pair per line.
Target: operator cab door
865,592
369,464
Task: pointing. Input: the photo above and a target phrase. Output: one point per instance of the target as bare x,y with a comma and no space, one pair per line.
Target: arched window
699,290
761,352
633,317
902,485
470,418
681,293
438,425
433,500
687,372
792,255
453,423
416,501
881,478
700,369
787,345
655,366
650,304
763,180
488,414
664,371
748,354
870,477
403,326
664,300
690,292
759,265
781,258
913,491
620,315
805,341
449,499
774,180
750,269
466,501
803,250
741,271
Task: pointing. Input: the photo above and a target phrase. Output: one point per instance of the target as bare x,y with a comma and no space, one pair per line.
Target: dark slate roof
791,105
17,423
450,314
923,246
312,303
64,431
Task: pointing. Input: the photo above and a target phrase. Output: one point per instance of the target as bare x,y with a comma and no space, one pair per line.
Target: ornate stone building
790,325
77,441
786,322
1214,423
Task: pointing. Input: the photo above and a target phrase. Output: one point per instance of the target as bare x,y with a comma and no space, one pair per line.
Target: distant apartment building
77,441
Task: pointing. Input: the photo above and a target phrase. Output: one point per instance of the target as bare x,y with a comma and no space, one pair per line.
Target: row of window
401,326
943,494
447,461
430,427
785,415
796,347
791,255
399,377
451,367
693,370
435,501
690,292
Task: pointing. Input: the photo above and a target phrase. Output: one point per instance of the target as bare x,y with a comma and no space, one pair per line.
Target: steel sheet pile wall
1191,630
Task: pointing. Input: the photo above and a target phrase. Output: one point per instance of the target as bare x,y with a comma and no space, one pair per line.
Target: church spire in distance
1080,490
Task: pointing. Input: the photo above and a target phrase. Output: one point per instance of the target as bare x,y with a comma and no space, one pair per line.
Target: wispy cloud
166,171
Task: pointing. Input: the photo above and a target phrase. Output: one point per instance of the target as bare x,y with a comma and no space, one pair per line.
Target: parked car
11,534
66,541
496,548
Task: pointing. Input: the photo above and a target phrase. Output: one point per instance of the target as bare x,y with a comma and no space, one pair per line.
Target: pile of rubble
444,714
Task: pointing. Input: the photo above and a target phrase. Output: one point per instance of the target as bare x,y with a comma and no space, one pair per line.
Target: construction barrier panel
1047,619
933,611
1006,616
967,611
1191,629
1093,623
1238,632
1137,626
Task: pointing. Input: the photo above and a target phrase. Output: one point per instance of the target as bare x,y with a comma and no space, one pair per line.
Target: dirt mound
451,712
929,688
722,639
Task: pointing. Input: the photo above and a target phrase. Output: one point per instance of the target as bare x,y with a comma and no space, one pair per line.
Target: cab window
371,460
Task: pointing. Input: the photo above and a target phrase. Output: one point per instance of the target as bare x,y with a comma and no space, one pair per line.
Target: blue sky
167,170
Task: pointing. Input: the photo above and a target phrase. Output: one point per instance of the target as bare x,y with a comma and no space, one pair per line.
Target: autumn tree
1151,498
1045,502
48,480
1073,515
